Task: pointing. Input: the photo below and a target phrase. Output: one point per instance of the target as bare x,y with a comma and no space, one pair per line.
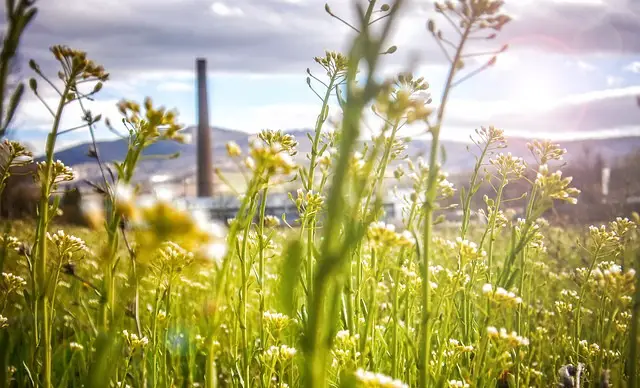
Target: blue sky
572,69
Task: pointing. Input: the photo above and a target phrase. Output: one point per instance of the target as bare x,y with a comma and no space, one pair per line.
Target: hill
459,157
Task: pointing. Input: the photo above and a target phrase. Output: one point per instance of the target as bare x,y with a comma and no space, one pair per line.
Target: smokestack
204,167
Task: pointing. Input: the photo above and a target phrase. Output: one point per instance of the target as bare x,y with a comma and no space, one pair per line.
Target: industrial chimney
204,160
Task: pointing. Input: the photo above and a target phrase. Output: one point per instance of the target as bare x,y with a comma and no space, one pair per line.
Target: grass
155,296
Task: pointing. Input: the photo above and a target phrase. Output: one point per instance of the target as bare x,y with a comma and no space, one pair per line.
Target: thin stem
425,345
42,324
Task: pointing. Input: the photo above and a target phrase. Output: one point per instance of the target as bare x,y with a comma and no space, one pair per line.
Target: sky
572,69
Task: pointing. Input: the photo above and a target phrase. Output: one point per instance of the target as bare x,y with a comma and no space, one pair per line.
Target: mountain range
459,155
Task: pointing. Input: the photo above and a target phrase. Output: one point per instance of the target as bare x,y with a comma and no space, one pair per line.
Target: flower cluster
377,380
508,165
344,349
12,243
334,63
385,235
467,250
406,99
272,153
601,237
154,124
512,339
173,258
554,186
281,353
501,220
156,220
13,282
457,346
275,321
75,346
419,176
308,201
457,384
76,64
233,149
492,135
609,277
59,173
14,154
66,244
500,295
133,341
545,151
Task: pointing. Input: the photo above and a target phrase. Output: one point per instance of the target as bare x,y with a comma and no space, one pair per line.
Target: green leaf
443,154
13,105
108,349
289,275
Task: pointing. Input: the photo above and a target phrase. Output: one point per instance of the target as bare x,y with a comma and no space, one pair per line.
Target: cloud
576,26
596,111
175,87
614,81
633,67
222,9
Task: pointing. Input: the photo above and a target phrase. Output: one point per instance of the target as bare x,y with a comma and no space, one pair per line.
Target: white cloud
614,81
222,9
586,66
175,87
633,67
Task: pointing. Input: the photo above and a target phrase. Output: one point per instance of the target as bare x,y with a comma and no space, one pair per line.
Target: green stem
42,324
425,345
632,360
466,207
261,264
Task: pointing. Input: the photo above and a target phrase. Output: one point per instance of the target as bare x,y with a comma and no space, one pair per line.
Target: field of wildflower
154,295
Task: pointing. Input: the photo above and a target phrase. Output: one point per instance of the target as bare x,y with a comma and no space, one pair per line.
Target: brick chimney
204,159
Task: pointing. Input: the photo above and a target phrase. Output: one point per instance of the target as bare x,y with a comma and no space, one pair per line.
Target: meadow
151,295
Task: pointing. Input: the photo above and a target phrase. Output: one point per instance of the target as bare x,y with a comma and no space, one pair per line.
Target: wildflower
134,341
12,243
545,151
58,173
15,153
75,346
457,383
554,186
233,149
155,124
334,63
271,221
13,282
77,65
500,295
371,379
281,353
508,165
67,244
276,321
468,250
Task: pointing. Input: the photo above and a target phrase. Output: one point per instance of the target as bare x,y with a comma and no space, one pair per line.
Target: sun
535,91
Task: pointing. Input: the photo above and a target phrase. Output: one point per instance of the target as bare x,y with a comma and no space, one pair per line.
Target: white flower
75,346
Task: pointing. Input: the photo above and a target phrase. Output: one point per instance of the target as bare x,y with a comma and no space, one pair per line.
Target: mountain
459,157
